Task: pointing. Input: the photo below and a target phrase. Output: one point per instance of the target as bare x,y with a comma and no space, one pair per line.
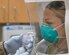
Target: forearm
2,50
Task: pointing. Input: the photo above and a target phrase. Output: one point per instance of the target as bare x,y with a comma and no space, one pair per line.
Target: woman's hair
58,7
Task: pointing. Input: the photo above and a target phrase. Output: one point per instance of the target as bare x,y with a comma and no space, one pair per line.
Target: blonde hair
58,7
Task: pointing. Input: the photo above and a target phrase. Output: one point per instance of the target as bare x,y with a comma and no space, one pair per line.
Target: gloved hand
18,53
27,45
25,50
14,43
28,41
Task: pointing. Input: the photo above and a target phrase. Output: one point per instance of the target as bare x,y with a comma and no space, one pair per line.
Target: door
3,11
18,12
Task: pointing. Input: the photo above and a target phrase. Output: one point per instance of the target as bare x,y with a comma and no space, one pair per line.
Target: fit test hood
40,15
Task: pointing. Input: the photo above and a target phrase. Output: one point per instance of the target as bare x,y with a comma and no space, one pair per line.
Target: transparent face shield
51,19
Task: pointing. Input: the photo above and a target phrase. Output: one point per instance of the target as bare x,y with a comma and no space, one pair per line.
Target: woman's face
51,19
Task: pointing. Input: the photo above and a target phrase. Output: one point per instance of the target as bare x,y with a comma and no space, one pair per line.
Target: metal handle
15,12
3,12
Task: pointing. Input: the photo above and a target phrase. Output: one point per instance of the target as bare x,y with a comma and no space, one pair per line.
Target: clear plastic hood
52,16
29,1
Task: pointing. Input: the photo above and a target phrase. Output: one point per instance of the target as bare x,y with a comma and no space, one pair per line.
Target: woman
54,15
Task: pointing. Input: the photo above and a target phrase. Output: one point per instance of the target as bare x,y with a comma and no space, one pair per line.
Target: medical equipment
9,31
16,30
49,34
49,31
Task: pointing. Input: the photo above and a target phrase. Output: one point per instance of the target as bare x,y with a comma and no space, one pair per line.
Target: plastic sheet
51,18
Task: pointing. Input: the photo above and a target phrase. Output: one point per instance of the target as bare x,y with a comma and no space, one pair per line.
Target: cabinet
13,11
18,12
3,11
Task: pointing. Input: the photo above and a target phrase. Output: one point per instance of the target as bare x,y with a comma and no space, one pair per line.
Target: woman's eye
48,21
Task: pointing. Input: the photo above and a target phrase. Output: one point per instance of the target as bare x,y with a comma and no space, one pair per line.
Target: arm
2,50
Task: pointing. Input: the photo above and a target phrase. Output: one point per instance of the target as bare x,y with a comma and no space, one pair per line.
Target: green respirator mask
49,33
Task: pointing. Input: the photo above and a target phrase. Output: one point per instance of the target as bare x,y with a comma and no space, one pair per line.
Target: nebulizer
49,34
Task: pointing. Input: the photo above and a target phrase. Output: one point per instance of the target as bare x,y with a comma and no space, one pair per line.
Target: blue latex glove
27,45
13,44
18,53
26,53
26,50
